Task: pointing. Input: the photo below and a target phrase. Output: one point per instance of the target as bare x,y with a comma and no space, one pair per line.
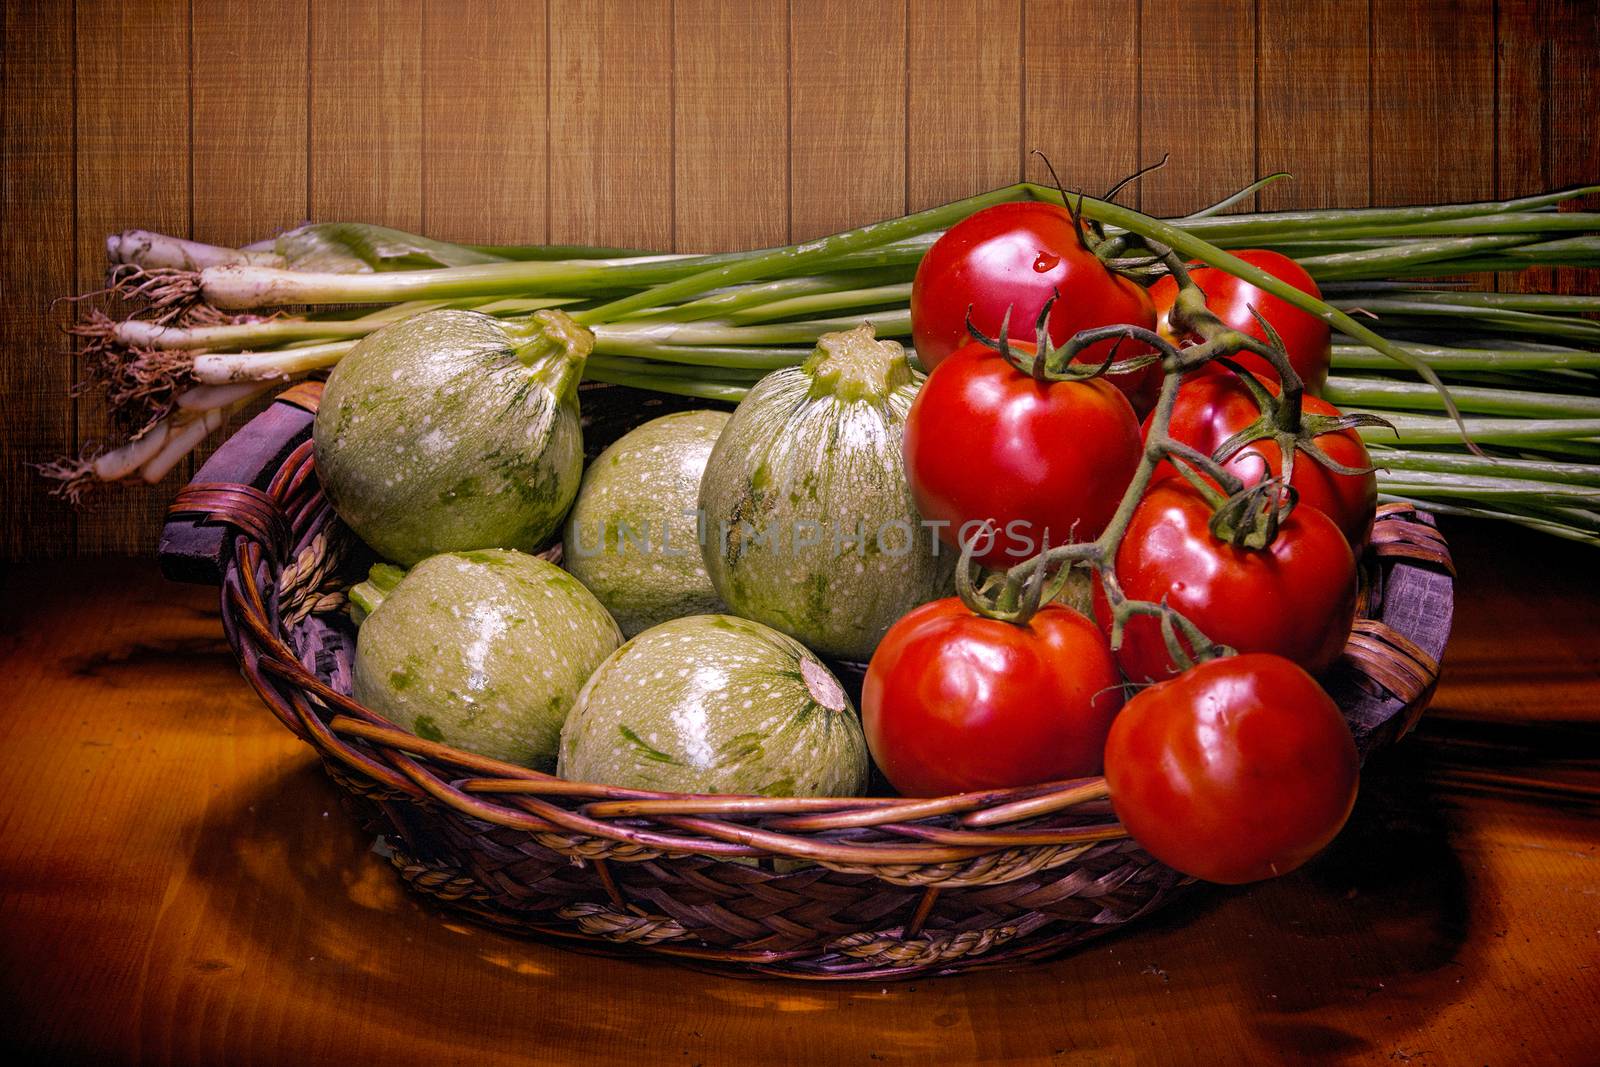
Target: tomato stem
1178,241
1247,517
1100,554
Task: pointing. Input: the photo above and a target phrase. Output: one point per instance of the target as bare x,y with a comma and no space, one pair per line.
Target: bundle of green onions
209,331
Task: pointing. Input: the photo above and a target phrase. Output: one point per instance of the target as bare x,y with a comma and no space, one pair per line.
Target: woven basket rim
822,888
935,830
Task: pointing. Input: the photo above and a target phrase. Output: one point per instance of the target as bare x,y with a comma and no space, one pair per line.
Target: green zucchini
454,430
811,528
483,650
715,704
632,537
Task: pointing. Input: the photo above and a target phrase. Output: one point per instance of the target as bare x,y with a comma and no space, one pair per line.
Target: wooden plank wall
697,124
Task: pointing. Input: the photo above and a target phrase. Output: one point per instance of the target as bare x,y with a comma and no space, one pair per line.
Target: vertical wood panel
1081,90
1315,115
731,122
132,170
963,115
670,121
249,106
611,123
1433,101
1198,60
366,112
485,65
1548,95
847,156
36,266
250,118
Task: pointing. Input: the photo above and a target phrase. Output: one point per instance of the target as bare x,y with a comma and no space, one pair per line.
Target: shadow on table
338,931
1286,965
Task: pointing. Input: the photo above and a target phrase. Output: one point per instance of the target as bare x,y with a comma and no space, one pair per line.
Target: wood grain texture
181,887
485,69
730,152
36,266
611,118
964,104
1314,114
1198,101
1081,91
132,129
1548,96
1433,101
366,112
250,68
847,153
717,123
249,75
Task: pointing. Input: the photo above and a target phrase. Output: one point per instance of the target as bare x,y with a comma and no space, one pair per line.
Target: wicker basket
858,888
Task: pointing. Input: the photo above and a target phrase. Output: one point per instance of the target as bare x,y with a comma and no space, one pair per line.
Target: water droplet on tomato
1046,262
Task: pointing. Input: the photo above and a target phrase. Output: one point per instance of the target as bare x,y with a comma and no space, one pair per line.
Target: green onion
1393,395
1517,373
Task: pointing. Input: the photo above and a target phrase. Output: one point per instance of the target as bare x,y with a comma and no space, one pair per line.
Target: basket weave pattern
875,887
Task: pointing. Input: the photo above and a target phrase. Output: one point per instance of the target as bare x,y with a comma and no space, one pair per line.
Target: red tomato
1042,462
1295,598
954,702
1305,337
1236,770
1214,404
1016,257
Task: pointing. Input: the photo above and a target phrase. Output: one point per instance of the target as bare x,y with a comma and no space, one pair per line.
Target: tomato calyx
1293,430
1242,516
1091,233
1190,314
1186,643
1050,362
1282,416
1002,597
1250,518
1015,598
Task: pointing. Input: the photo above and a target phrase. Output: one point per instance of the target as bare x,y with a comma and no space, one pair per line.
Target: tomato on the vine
1239,769
954,701
1306,338
1213,405
1039,462
1296,597
1015,257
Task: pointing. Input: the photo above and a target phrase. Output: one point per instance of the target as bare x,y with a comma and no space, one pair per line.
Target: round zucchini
811,528
632,537
715,704
483,650
454,430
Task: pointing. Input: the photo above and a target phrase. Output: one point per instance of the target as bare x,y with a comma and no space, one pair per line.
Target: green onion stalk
1498,392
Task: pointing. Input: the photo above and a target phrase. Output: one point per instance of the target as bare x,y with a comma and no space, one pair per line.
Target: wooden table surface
177,885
